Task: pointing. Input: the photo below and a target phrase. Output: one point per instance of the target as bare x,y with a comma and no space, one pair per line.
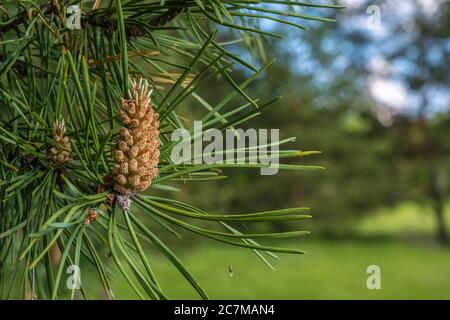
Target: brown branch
133,31
103,21
22,18
166,17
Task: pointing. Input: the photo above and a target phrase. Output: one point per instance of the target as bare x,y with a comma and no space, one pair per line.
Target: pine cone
60,150
137,152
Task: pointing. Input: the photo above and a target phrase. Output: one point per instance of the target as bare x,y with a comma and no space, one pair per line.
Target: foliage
376,154
50,73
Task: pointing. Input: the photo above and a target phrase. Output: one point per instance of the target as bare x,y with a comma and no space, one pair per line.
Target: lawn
398,240
330,270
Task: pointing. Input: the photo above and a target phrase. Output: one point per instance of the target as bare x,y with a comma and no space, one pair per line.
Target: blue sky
385,81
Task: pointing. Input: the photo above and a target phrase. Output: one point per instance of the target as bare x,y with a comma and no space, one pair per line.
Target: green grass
331,270
405,219
411,268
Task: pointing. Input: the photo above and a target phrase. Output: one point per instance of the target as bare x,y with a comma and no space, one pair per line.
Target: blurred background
371,92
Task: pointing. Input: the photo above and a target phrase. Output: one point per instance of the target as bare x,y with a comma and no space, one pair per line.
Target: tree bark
442,233
438,198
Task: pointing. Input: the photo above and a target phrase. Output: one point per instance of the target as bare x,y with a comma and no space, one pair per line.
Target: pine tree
90,93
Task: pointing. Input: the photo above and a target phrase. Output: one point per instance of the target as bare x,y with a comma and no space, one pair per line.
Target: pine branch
103,20
64,157
106,22
21,18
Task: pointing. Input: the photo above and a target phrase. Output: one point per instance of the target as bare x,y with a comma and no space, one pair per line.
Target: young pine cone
60,150
137,152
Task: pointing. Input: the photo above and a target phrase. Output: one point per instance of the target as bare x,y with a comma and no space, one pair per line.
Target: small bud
91,216
60,150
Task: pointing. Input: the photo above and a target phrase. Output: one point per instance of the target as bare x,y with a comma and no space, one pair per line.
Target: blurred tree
385,88
375,101
410,53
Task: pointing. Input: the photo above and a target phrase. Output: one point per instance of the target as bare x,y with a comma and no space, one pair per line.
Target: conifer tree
90,92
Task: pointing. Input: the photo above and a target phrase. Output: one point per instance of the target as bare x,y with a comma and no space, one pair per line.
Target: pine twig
103,20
